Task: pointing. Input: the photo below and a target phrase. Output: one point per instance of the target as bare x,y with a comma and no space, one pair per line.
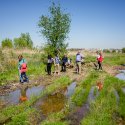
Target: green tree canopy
7,43
23,41
55,29
123,50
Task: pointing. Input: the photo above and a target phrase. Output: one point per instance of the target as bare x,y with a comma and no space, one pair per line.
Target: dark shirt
64,59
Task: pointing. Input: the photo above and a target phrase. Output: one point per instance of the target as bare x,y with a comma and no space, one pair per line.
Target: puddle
78,115
52,103
117,96
81,112
56,101
123,89
14,97
91,95
121,75
70,89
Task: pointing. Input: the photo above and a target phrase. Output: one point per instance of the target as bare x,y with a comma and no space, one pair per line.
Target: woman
100,59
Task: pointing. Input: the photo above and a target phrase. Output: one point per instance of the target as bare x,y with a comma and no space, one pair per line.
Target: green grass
82,91
55,123
114,59
12,111
9,71
55,119
104,107
101,110
78,98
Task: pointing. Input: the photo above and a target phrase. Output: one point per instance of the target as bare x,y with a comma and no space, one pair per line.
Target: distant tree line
123,50
24,41
114,50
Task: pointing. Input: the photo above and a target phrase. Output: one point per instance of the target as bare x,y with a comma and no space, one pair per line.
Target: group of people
57,62
22,65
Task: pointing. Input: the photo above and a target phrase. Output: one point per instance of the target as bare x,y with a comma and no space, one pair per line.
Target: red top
100,58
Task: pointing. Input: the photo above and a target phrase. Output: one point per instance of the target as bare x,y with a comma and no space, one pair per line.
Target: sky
94,23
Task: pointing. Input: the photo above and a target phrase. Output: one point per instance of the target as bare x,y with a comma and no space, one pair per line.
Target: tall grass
9,66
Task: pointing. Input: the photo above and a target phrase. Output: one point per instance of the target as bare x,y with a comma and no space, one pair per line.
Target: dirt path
45,80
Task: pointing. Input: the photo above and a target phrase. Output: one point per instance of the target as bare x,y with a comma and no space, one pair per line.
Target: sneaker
27,80
21,82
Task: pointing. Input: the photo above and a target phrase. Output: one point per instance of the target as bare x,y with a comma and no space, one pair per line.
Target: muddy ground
45,80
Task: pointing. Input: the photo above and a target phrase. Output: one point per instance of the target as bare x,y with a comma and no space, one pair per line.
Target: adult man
79,58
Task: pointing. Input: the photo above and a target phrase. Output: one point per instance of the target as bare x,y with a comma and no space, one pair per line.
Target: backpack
23,67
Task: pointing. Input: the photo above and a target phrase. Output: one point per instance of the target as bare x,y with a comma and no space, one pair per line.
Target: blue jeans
23,77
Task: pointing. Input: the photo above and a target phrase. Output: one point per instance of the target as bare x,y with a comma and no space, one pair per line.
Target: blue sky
95,23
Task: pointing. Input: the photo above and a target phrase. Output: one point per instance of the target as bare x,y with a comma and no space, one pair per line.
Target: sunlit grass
12,111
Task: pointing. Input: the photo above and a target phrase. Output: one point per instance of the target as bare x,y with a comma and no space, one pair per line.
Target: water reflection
70,89
53,103
123,89
121,75
56,101
19,95
23,95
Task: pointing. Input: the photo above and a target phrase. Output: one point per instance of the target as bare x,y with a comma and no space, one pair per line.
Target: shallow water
53,103
123,89
70,89
14,97
117,96
91,95
56,101
121,75
80,112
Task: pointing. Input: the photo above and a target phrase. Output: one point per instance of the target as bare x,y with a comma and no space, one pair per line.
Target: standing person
100,59
79,58
22,67
49,64
64,61
56,64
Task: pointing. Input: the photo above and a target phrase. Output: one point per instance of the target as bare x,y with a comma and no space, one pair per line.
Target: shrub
7,43
123,50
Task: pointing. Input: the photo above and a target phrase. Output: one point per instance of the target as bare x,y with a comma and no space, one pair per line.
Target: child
22,67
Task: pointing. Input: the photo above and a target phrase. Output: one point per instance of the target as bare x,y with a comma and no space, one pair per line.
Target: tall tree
55,29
